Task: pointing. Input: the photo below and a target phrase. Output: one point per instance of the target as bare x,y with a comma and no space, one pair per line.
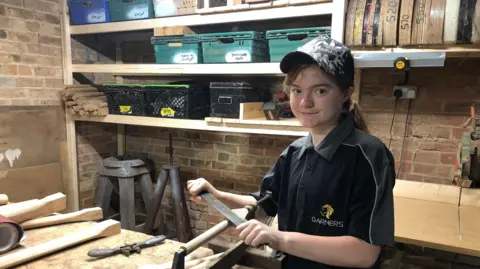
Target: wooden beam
70,183
357,82
172,31
338,19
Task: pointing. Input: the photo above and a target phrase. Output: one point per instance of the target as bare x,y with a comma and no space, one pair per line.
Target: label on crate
167,112
137,12
126,109
185,58
238,56
96,16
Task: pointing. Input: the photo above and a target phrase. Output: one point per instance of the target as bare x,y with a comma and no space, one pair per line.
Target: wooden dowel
206,236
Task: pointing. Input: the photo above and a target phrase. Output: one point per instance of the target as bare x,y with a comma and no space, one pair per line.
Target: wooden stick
103,229
87,94
87,214
206,236
35,208
190,263
3,199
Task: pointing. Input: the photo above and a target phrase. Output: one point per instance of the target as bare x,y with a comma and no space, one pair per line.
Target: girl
332,190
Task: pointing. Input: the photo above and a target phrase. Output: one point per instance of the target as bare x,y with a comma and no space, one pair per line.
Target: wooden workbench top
76,257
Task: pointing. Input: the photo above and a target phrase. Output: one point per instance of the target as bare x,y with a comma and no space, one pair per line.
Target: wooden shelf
205,19
180,69
268,127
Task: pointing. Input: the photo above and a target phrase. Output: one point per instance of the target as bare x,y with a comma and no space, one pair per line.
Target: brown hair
349,106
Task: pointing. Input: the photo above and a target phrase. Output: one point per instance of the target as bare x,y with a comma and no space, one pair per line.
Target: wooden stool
125,171
182,220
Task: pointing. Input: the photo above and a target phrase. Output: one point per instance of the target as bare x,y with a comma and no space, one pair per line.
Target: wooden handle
206,236
103,229
3,199
35,208
87,214
205,257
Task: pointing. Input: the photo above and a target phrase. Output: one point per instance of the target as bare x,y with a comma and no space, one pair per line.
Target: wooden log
350,22
358,24
88,214
90,107
77,108
87,94
82,112
390,21
35,208
377,31
434,28
70,103
103,111
71,92
103,229
3,199
85,100
71,111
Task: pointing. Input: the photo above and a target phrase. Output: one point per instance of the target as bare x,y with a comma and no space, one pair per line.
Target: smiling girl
333,189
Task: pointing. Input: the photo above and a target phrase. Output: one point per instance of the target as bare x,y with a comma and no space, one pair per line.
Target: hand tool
87,214
3,199
232,255
10,234
23,211
103,229
127,249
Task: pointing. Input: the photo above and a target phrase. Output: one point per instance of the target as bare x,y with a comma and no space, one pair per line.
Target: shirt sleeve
271,182
371,212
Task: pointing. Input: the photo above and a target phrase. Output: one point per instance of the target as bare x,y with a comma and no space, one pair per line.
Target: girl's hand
197,186
255,233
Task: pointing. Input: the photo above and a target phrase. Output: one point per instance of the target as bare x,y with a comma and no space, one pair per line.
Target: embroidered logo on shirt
327,211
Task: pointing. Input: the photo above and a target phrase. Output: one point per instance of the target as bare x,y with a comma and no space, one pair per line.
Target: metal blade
222,208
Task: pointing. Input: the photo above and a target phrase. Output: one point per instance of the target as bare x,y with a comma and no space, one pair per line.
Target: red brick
29,82
22,37
457,133
261,141
223,166
49,40
444,171
235,139
273,152
212,218
42,6
412,177
12,2
442,146
225,148
252,151
424,168
24,70
448,158
438,180
54,83
3,11
48,72
32,26
48,18
9,69
426,157
202,145
405,167
430,131
209,173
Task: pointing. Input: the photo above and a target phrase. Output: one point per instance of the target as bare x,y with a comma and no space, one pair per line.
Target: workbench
76,257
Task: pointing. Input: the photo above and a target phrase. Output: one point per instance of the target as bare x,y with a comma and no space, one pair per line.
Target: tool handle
153,241
103,252
206,236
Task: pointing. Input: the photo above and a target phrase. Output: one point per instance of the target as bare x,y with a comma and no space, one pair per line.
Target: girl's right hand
198,186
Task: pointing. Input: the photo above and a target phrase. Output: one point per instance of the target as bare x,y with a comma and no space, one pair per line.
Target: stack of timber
388,23
85,100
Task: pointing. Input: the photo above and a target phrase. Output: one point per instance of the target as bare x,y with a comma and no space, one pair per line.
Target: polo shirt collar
333,140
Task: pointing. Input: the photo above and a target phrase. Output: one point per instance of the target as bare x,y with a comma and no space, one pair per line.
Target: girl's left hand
255,233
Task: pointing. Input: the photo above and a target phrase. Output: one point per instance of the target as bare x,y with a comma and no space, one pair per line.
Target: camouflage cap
330,55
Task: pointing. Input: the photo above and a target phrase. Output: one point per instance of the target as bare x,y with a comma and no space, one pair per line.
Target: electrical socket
407,92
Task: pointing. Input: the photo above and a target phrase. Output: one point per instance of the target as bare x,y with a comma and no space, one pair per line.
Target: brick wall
30,52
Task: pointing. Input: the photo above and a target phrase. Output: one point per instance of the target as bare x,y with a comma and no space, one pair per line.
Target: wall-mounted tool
278,109
402,90
127,249
232,255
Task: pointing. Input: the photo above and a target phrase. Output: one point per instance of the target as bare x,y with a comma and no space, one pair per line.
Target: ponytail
353,108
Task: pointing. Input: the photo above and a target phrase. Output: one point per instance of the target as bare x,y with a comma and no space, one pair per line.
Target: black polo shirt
343,186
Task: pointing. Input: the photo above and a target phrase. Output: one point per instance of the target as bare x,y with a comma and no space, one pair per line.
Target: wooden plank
434,31
431,192
76,257
31,135
357,81
470,197
32,182
367,33
419,17
349,24
406,17
476,24
204,19
452,9
252,110
377,31
172,31
338,19
390,22
358,24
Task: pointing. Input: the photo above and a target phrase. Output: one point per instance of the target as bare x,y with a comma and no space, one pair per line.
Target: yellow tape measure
401,63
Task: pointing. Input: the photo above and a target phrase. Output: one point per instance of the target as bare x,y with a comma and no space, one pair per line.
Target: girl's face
315,99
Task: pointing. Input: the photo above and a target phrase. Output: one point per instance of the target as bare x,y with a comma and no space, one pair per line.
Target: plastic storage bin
164,8
128,10
125,99
234,47
284,41
177,50
225,98
89,11
177,100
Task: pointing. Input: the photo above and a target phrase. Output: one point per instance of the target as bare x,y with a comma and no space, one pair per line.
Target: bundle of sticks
85,100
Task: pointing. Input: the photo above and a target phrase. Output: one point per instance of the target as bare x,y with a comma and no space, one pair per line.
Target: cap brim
293,59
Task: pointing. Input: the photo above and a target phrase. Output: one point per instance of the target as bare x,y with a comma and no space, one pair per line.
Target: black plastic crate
177,100
125,99
225,98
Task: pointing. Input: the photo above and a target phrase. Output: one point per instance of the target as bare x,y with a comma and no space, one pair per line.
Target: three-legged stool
182,220
124,171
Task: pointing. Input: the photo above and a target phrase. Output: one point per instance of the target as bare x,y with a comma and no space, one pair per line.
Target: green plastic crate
234,47
177,49
284,41
129,10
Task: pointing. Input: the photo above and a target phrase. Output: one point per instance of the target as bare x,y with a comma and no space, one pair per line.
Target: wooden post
70,179
119,79
338,19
